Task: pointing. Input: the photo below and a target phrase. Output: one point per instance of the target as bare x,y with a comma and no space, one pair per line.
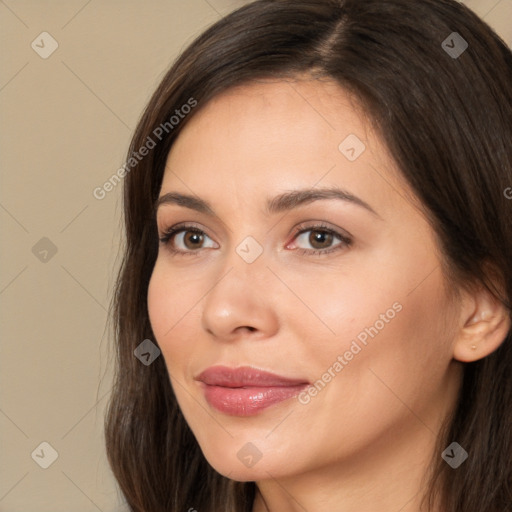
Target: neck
390,475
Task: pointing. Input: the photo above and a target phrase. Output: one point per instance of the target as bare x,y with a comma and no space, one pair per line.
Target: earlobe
485,324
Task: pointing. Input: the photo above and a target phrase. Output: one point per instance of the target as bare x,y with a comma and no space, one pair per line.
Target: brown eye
192,239
320,239
186,240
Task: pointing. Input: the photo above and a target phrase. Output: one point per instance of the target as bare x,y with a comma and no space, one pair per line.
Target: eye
320,239
186,239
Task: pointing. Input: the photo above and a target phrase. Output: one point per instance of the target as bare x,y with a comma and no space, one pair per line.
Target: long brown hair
446,119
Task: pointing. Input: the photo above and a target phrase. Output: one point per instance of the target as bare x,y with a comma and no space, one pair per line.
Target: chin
244,464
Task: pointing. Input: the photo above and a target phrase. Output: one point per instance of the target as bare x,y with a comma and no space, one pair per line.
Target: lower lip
248,401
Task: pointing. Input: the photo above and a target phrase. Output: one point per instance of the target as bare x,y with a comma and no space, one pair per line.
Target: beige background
66,125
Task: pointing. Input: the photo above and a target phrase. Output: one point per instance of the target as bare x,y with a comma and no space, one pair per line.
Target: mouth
246,391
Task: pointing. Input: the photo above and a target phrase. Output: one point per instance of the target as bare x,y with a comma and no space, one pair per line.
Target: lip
245,391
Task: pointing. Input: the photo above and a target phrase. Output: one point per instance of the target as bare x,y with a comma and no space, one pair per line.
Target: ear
485,323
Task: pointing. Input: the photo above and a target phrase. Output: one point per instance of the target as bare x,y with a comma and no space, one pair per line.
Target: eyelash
174,230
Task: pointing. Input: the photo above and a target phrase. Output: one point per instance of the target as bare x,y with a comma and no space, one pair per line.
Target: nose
241,302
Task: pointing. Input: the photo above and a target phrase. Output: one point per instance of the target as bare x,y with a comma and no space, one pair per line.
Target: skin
365,440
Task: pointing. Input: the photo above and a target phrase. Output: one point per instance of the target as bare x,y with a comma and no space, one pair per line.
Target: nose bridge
240,296
241,275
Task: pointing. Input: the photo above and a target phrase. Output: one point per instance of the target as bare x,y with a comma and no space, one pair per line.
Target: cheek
158,304
395,323
406,351
169,305
389,357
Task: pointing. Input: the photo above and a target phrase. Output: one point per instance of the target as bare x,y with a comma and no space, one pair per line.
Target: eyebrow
281,203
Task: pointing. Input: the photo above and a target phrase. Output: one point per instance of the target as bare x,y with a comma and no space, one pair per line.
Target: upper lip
245,376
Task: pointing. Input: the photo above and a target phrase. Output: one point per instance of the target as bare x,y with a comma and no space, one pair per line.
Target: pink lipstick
245,391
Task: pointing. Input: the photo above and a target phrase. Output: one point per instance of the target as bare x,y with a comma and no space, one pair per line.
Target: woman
319,243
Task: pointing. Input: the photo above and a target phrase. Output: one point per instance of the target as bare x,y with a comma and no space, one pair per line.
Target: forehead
272,117
271,136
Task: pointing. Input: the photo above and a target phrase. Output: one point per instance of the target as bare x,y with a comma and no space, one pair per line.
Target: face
336,290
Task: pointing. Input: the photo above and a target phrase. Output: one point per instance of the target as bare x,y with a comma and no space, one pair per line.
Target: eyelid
167,233
320,224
